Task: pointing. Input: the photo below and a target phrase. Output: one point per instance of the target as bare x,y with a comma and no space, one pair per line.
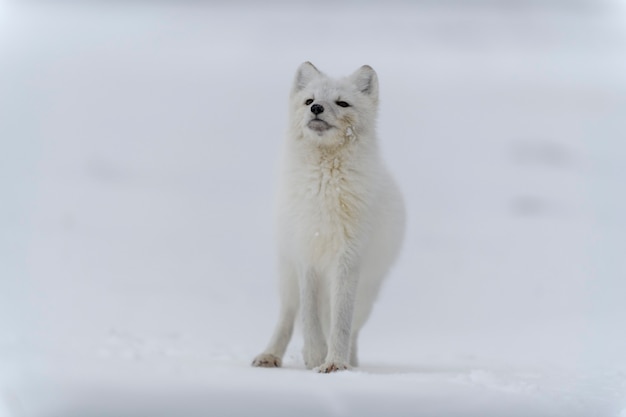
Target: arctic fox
340,218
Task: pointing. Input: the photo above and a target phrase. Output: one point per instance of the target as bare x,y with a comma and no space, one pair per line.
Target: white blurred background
139,144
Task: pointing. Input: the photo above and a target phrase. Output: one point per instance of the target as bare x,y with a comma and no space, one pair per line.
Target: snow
139,146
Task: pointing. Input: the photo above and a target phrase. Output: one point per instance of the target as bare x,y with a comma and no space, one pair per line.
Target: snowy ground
138,149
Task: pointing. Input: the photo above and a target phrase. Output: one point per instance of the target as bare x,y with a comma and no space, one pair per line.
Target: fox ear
306,72
366,81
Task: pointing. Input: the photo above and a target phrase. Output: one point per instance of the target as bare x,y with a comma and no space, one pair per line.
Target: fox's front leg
273,355
342,299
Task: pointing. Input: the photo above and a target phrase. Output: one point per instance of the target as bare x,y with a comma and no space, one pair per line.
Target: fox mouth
318,125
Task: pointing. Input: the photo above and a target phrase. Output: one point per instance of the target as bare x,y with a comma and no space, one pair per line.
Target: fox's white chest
326,209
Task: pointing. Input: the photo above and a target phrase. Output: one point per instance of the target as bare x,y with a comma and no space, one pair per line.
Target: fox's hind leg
354,359
315,348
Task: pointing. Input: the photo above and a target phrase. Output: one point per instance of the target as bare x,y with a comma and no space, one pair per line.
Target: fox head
331,112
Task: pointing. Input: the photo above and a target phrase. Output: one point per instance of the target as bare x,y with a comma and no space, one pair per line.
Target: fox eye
342,104
309,101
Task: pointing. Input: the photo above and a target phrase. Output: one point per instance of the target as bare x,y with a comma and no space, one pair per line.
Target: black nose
317,109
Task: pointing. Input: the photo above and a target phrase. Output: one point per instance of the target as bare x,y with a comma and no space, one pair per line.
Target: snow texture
138,153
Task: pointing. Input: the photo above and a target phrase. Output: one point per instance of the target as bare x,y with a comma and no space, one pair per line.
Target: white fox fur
340,218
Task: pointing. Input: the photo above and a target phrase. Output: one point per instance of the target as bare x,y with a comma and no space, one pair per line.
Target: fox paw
267,360
329,367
